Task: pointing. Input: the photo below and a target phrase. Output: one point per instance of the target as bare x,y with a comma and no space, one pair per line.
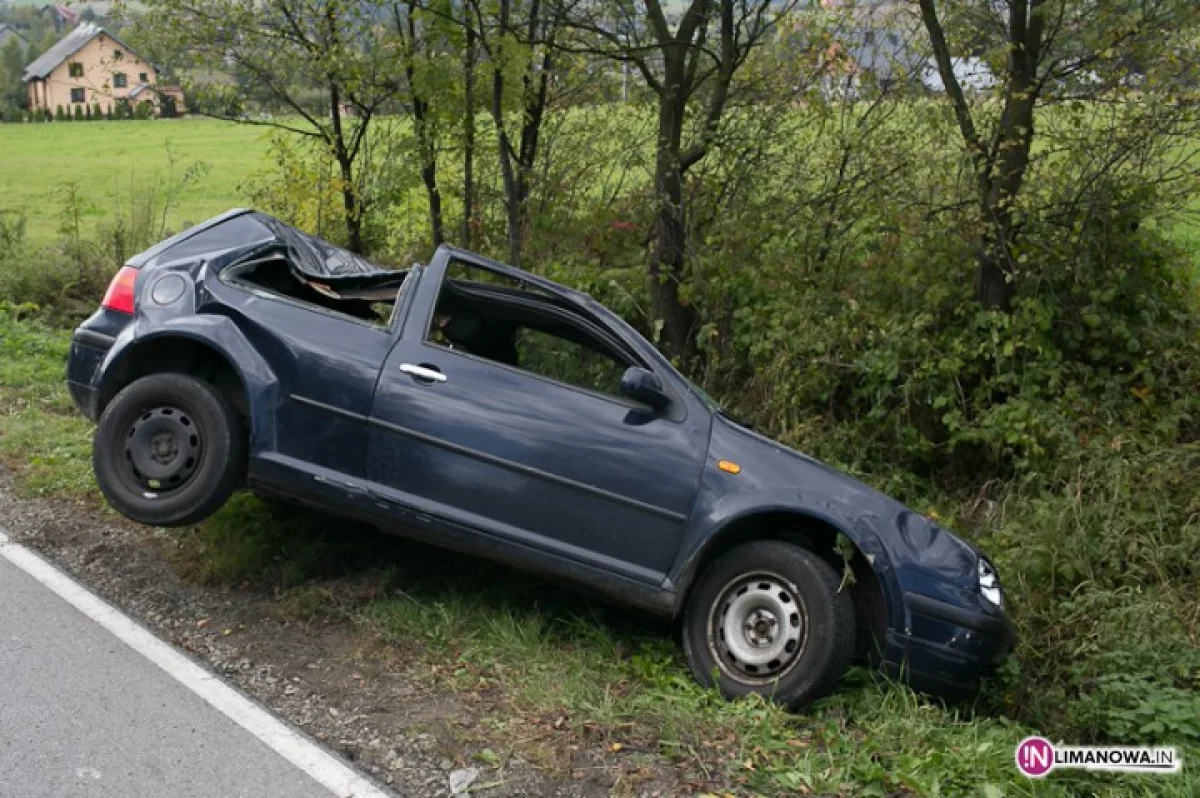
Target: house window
120,81
118,55
78,96
75,69
142,77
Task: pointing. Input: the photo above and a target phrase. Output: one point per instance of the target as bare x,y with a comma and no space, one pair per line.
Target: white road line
323,767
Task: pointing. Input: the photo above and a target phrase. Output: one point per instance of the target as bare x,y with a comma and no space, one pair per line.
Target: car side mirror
644,386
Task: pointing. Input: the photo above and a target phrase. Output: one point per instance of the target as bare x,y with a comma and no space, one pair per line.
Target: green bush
65,279
1099,571
12,234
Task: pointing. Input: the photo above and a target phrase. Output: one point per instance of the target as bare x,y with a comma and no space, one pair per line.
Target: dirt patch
378,705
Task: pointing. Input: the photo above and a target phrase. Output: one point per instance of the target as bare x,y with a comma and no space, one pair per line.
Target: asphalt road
84,714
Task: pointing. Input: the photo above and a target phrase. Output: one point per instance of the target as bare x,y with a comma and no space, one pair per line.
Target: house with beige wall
90,66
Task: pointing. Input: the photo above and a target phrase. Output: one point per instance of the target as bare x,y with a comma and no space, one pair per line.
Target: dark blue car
482,408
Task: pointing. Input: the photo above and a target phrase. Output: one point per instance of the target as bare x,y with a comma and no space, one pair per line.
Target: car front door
469,435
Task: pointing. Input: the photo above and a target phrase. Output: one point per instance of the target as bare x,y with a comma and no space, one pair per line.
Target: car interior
489,316
481,313
370,298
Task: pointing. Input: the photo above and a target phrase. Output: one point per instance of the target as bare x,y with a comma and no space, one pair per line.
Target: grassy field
110,161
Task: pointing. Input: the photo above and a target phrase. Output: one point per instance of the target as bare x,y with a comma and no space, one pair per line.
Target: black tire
168,450
809,643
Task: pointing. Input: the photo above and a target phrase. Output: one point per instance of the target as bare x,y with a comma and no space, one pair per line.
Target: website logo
1037,756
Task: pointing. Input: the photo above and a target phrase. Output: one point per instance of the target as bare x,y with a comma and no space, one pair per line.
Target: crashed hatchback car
484,409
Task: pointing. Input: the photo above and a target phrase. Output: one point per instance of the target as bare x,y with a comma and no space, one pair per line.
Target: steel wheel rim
162,451
757,628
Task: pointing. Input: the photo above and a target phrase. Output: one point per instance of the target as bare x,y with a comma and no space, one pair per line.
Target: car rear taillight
119,296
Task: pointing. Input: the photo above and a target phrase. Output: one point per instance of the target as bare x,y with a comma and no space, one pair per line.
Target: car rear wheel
768,618
168,450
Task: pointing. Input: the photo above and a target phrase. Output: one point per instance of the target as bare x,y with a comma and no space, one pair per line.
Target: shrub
65,279
79,113
1098,570
12,234
59,116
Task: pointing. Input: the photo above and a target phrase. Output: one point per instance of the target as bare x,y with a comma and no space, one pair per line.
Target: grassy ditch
547,659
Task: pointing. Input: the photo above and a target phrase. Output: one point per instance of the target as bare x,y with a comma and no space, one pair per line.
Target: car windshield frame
703,395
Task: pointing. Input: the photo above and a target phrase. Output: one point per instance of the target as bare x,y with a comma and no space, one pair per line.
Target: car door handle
424,373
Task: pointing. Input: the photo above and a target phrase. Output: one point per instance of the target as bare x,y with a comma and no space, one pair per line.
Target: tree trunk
421,127
534,86
507,168
354,240
350,204
996,278
429,178
668,259
428,155
468,137
993,286
1000,164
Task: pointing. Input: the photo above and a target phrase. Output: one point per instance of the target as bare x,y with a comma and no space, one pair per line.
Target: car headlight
989,583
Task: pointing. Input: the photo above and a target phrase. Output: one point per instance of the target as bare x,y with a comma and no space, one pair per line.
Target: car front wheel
168,450
768,617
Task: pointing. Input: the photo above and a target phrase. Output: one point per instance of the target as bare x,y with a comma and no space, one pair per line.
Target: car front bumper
948,648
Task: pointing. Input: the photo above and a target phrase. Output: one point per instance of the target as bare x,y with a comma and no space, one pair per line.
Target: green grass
549,663
38,425
112,161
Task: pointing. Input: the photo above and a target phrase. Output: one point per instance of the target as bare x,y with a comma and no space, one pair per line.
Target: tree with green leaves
689,67
322,61
12,66
1043,52
518,39
422,45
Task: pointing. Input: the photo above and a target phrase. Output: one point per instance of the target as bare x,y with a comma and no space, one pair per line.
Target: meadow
110,162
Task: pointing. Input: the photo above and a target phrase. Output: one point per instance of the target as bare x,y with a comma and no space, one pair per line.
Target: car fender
713,523
220,334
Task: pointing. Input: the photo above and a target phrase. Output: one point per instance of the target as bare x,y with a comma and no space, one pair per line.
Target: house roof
64,48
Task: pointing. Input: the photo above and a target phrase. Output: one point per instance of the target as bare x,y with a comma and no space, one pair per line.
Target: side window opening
370,298
493,316
553,355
